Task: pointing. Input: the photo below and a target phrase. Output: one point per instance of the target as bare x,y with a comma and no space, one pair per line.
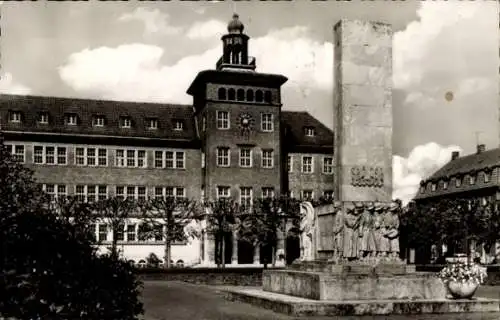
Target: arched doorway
292,249
245,252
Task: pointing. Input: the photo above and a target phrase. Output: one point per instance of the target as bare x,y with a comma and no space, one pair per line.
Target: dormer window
71,119
472,179
433,187
422,189
309,131
98,121
445,185
153,124
15,116
125,122
178,125
43,118
487,177
458,182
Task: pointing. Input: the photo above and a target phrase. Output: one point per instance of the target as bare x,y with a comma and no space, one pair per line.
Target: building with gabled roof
233,141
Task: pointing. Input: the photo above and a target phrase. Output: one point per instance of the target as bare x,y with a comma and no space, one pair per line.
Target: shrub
50,272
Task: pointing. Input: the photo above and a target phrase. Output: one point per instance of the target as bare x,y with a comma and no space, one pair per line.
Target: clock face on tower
245,123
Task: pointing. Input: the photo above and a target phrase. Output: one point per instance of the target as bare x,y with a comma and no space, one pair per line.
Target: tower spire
235,48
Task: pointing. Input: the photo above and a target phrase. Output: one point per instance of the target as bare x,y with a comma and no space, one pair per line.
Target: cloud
211,29
9,86
421,163
135,71
154,21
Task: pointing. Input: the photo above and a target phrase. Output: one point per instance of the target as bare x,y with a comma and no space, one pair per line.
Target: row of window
241,95
136,158
223,121
246,194
72,119
89,156
472,179
130,232
93,193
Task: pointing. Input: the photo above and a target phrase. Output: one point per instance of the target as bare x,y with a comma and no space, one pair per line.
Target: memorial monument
350,262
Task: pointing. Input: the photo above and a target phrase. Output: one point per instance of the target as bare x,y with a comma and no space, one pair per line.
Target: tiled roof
294,124
31,107
469,163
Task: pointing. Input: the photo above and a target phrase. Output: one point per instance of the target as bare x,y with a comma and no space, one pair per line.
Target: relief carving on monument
307,232
362,176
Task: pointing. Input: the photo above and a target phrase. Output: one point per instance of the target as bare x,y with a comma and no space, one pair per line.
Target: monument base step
342,287
295,306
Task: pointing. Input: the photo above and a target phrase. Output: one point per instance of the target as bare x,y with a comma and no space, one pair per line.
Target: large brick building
233,141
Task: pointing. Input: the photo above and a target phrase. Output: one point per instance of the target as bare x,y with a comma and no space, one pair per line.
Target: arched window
258,96
231,94
240,96
268,96
249,95
222,94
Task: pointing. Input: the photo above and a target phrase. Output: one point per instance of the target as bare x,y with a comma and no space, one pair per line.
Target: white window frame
223,123
289,163
309,131
486,177
458,182
223,156
56,192
44,118
93,190
178,125
98,231
97,157
127,232
136,193
267,157
267,125
246,159
55,155
265,192
99,121
223,188
307,190
19,157
472,179
125,122
121,161
433,186
153,124
325,192
445,185
326,166
164,189
15,116
177,156
71,119
311,165
246,197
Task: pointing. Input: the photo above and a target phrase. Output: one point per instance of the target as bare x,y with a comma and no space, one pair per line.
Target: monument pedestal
322,288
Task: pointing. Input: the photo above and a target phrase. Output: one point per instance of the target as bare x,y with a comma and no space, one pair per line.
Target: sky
151,51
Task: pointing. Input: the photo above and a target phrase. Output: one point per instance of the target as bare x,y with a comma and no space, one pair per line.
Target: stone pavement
181,301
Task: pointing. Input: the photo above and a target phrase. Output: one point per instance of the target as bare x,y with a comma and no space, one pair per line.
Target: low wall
209,276
253,276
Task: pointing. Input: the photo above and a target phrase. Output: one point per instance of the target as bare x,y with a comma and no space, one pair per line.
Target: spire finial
235,25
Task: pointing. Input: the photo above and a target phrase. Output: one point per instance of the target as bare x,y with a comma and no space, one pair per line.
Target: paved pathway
181,301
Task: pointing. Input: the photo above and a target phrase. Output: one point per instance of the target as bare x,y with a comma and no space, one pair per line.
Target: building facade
233,141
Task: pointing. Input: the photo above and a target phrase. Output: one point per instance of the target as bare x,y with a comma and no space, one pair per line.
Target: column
234,258
256,254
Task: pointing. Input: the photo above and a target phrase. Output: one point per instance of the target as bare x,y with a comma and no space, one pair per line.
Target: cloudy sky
151,52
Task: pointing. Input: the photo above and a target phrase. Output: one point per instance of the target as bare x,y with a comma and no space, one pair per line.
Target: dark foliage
48,265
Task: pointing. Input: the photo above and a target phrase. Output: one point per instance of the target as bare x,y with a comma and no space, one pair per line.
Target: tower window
240,95
249,95
259,96
268,96
231,94
222,94
223,157
222,120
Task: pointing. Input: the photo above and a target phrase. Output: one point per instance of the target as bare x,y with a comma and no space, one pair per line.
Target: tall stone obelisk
363,111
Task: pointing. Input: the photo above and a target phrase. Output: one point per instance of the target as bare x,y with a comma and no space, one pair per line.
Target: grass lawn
181,301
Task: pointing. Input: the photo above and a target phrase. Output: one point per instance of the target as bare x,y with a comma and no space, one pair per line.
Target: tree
267,218
114,212
169,218
221,219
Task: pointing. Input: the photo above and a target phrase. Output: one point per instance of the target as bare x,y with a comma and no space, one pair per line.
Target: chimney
481,148
455,155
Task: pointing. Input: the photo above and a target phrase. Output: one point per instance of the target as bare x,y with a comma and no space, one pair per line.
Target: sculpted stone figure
338,227
382,243
351,230
392,230
307,226
367,246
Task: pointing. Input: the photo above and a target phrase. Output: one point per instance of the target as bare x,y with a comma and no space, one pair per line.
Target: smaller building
474,176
